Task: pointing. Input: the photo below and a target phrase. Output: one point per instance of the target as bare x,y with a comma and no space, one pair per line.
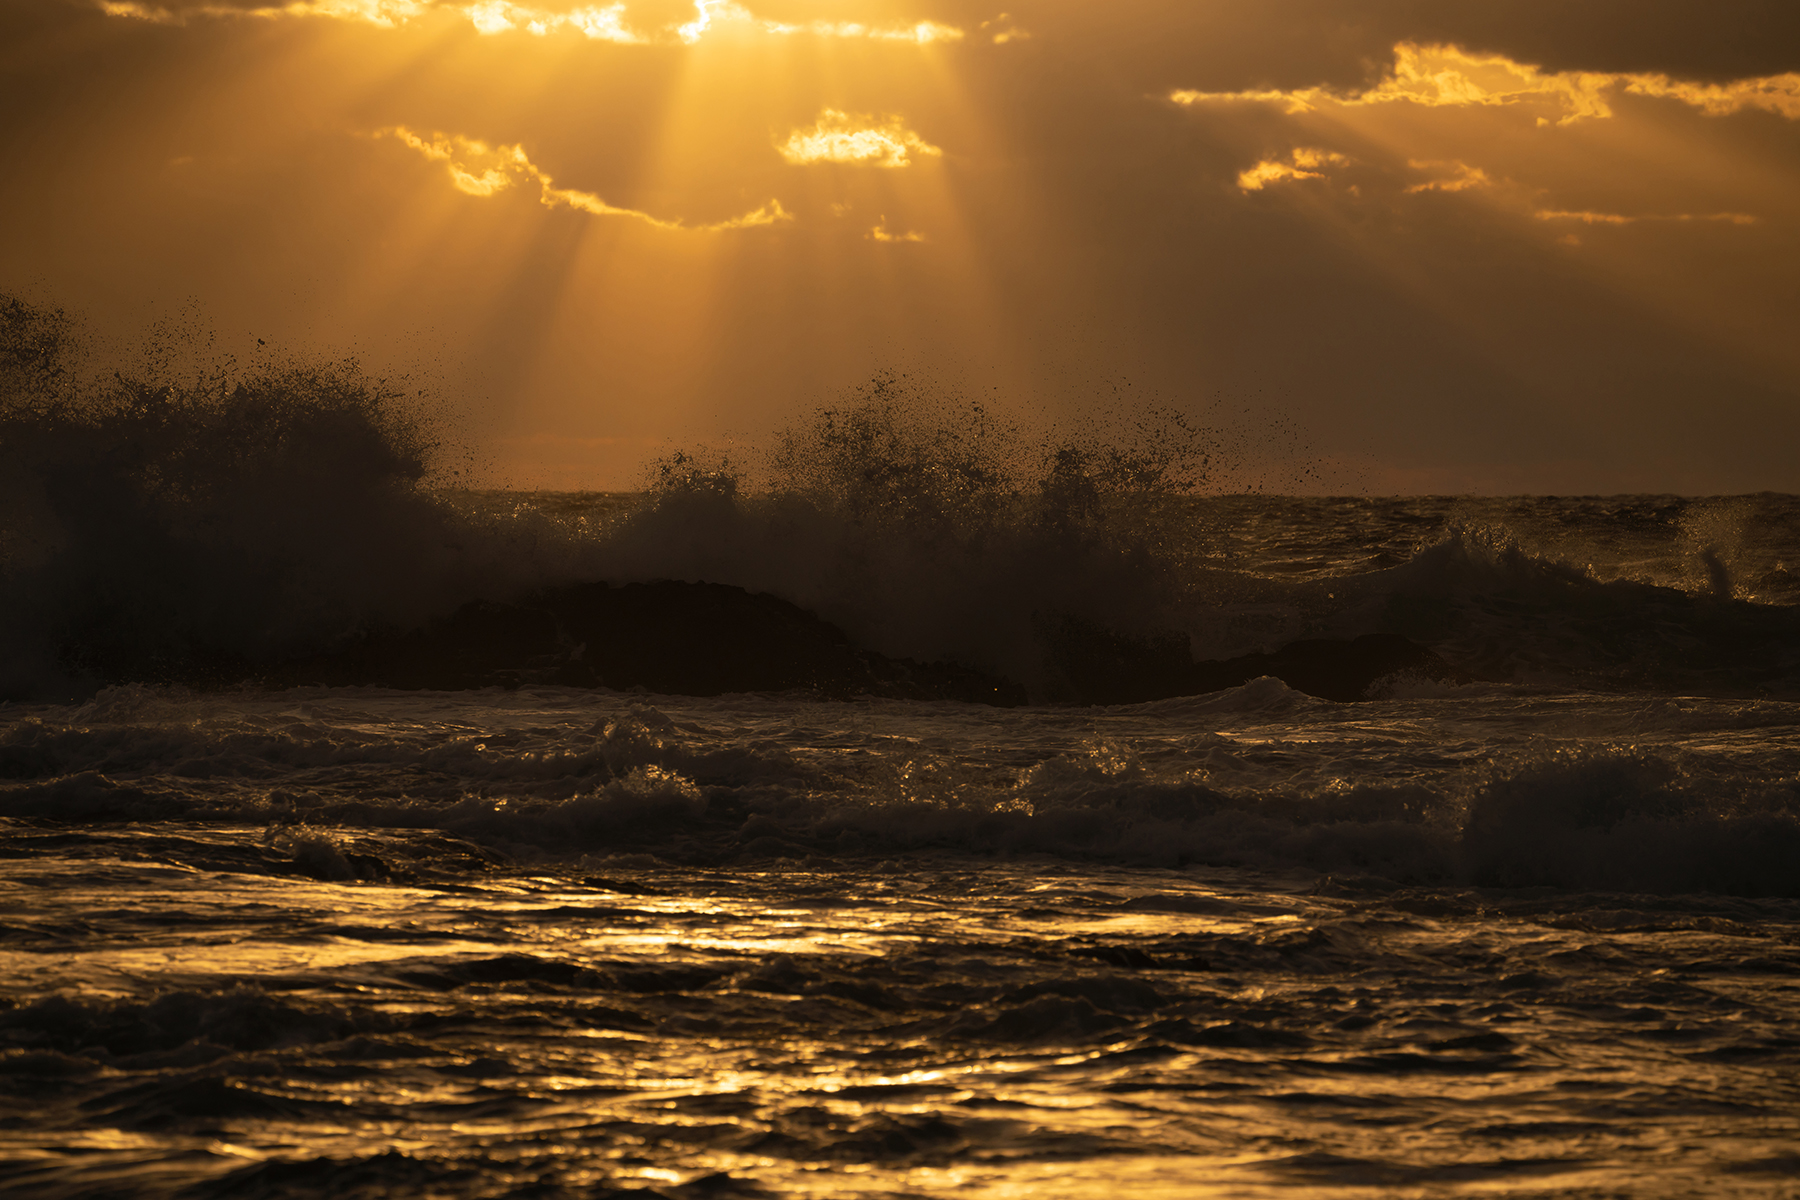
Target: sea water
355,942
1529,929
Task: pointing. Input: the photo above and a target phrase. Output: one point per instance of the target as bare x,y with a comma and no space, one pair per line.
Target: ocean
929,811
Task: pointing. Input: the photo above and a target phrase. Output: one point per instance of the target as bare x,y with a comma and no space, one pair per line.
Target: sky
1501,247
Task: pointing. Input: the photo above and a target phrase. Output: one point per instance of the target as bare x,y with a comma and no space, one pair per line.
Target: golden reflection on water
743,1071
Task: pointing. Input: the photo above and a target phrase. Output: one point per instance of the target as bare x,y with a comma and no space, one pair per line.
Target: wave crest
201,525
166,525
931,529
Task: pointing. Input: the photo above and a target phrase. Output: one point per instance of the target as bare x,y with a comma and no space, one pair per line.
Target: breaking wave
201,527
932,530
643,787
174,526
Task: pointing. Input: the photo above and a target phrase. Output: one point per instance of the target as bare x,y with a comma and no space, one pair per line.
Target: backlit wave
1448,76
482,170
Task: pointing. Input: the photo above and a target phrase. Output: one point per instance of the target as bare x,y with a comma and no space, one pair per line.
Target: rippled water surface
1513,912
552,942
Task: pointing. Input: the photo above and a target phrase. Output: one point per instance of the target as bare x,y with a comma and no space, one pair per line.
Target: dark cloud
1343,43
1725,39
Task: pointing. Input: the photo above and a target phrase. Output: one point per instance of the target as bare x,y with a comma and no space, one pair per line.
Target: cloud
141,12
1303,163
921,33
1295,102
880,233
705,11
385,13
482,170
1462,177
709,13
1002,29
1513,174
601,22
1454,175
859,141
1587,217
1448,76
447,149
1778,94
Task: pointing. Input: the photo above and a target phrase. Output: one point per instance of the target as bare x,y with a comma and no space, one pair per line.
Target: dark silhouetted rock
687,639
707,639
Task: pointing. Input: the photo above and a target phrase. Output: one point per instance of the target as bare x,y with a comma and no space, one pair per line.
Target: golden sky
1522,245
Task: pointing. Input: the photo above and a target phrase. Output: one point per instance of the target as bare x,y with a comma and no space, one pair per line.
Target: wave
643,788
206,1024
291,524
1503,612
157,526
1626,820
1078,587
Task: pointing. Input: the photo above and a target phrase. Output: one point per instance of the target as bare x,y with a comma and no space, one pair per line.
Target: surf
295,522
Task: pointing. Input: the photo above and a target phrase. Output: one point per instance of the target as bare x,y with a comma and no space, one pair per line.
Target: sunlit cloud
1587,217
1447,76
1294,102
385,13
1303,163
1462,177
921,33
602,22
705,13
859,141
1775,93
1002,30
710,15
1454,175
140,12
881,233
450,150
478,169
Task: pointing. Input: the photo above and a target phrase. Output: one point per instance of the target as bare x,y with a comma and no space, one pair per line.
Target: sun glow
385,13
636,214
922,33
704,11
608,22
